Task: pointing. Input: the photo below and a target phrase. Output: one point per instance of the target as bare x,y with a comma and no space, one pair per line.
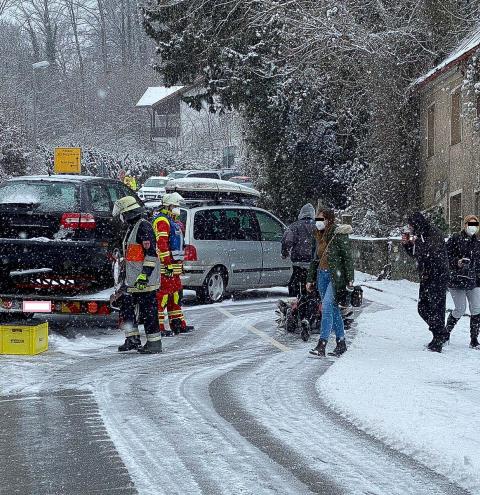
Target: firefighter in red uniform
169,237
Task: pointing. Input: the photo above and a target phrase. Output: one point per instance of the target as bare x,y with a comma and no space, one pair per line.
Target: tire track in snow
204,454
285,417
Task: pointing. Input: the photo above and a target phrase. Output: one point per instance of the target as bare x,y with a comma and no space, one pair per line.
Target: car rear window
155,182
44,196
177,175
204,175
225,225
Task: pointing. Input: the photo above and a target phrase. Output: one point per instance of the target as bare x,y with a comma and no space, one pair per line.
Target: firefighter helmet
124,205
172,199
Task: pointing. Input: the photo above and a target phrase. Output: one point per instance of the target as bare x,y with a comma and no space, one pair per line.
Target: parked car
153,189
205,174
242,179
231,245
57,233
227,173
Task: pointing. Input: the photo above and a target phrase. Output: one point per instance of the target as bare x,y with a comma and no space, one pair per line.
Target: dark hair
328,214
419,223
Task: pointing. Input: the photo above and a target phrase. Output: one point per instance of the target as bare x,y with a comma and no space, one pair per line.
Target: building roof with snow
157,93
463,51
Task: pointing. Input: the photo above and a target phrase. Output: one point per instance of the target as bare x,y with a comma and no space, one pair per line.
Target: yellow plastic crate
24,338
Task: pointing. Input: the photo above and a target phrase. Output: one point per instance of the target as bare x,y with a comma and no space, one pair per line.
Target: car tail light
190,253
92,307
85,221
104,310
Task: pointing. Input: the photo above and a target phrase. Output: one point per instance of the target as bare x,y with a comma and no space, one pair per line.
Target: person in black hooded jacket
427,245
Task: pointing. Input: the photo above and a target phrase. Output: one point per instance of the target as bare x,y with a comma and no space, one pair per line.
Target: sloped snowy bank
422,403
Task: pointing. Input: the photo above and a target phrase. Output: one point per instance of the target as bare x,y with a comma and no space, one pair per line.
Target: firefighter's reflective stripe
161,231
165,227
164,254
150,261
132,333
174,314
135,260
153,337
176,267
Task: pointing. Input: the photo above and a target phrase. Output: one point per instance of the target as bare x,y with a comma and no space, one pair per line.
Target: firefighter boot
131,343
153,345
176,325
474,329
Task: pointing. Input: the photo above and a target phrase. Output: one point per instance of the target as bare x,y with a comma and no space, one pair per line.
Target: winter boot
320,349
176,326
153,345
187,328
167,333
474,329
436,344
451,322
340,348
131,343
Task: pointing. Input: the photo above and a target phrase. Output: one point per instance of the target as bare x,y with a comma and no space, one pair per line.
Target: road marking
258,332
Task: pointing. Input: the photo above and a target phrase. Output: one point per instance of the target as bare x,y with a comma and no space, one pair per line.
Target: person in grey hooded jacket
297,244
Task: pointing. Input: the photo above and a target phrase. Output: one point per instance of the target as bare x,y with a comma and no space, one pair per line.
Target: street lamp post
37,65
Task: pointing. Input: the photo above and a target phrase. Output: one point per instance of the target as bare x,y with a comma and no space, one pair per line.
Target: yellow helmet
123,205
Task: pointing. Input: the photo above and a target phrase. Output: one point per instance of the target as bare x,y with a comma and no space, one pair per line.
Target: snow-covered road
225,410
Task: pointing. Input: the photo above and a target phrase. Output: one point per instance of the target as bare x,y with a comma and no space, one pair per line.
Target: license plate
37,306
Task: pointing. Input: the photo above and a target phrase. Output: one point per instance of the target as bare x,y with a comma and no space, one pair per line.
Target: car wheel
213,289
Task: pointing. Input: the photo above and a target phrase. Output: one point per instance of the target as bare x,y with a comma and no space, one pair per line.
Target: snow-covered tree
13,156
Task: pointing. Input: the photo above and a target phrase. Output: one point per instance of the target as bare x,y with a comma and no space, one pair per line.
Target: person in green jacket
332,272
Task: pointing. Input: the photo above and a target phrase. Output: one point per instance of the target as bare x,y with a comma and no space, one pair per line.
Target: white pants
460,297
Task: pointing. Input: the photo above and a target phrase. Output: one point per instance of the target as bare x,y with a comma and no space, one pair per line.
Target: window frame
275,220
451,224
431,130
104,188
456,127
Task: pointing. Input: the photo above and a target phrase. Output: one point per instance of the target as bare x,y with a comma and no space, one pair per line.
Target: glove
169,271
141,282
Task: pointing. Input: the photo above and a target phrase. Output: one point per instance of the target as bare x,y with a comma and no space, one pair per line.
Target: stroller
302,314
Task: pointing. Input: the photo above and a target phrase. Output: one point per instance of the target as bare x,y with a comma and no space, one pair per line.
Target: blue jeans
331,316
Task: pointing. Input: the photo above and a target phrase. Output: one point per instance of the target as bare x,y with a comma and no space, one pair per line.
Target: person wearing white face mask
331,271
169,235
464,257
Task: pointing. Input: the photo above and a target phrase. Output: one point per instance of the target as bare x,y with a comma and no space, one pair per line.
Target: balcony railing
164,132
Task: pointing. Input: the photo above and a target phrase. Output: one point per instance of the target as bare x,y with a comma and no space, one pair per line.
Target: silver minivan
232,247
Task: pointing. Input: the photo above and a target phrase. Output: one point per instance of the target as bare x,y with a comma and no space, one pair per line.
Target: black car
57,233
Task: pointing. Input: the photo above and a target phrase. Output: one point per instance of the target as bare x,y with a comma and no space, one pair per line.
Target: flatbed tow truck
26,305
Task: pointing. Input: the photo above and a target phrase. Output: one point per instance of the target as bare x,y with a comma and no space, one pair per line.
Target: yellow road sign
67,160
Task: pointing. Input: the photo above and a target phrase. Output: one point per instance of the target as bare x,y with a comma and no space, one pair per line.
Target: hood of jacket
420,224
307,211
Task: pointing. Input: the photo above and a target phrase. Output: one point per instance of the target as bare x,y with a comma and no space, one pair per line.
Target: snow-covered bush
13,156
